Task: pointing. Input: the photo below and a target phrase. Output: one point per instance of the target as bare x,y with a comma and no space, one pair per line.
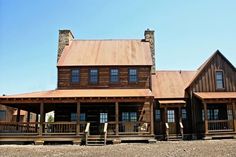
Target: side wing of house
213,93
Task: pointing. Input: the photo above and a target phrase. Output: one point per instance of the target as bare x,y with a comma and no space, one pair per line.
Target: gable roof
171,84
206,63
106,52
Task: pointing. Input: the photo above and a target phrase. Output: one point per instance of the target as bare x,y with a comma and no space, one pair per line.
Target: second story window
133,75
93,76
219,80
114,75
75,75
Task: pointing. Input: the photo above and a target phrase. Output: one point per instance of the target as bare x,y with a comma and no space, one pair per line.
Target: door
172,119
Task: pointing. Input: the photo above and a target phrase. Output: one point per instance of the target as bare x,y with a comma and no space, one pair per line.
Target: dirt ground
211,148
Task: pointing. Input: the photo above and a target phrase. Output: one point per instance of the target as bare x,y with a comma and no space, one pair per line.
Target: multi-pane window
75,75
125,116
114,75
184,113
93,76
103,117
133,75
73,117
219,80
129,116
2,115
133,116
213,114
170,116
158,115
82,117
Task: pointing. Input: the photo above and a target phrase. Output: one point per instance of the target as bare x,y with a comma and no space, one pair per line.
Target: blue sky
186,32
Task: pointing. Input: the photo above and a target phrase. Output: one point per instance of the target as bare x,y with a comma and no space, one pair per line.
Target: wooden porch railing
167,131
59,127
220,125
128,128
181,126
87,132
21,127
105,133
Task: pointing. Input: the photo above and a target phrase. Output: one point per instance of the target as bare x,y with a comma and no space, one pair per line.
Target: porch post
234,115
117,117
28,120
41,118
151,118
180,114
18,115
36,122
205,117
165,114
78,119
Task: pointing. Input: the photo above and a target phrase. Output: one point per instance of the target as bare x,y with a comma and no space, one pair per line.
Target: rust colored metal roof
85,93
106,52
171,84
172,102
215,95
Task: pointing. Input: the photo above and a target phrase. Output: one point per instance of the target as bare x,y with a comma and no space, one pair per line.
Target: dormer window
75,75
219,80
93,76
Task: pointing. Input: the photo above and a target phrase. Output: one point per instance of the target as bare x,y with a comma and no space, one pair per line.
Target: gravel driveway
214,148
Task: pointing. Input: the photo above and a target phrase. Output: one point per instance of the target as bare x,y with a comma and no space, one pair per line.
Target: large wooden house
109,91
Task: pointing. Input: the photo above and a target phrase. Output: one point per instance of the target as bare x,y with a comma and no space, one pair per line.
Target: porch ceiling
215,95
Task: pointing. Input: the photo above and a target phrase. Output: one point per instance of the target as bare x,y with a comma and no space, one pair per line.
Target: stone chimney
65,36
149,37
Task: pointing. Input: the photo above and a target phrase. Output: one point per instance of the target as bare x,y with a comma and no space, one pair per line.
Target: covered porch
111,114
171,119
218,113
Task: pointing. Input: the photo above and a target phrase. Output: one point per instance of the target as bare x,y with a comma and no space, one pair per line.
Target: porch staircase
95,140
175,137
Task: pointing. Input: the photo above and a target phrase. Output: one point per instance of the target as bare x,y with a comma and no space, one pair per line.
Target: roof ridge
107,39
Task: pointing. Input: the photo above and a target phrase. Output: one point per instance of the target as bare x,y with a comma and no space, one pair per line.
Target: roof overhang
216,96
81,95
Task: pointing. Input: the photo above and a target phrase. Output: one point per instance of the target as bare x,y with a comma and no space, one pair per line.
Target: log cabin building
110,91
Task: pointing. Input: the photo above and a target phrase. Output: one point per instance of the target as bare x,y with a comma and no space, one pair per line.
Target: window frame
170,116
129,76
118,76
157,115
184,113
71,76
5,115
216,80
89,79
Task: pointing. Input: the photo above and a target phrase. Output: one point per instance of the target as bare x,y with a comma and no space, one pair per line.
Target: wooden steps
174,137
95,140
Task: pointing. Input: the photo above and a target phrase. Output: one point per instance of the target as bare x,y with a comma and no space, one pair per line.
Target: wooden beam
180,114
78,119
18,118
36,120
28,120
234,115
151,117
41,118
205,117
165,114
117,117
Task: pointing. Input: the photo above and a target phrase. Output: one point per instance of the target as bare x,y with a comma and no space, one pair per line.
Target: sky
186,33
